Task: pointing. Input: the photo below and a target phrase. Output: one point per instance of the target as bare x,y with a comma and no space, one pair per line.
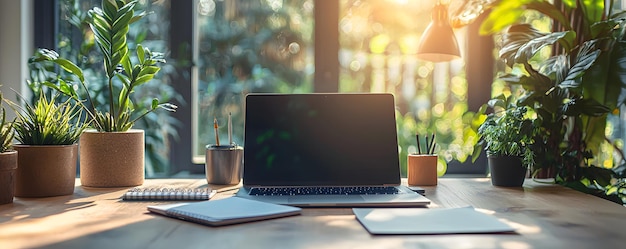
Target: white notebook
226,211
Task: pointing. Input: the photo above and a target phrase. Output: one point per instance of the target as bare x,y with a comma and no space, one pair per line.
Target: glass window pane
378,40
247,46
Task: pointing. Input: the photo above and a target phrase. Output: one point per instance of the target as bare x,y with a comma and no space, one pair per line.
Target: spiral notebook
231,210
168,194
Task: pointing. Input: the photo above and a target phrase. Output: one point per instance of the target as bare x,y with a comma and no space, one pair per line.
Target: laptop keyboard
324,191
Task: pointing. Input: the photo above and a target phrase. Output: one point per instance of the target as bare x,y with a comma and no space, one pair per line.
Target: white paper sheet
428,221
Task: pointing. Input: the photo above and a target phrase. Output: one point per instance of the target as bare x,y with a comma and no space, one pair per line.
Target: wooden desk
546,216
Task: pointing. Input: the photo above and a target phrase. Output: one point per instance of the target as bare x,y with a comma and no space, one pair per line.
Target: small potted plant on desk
8,159
47,133
112,154
507,135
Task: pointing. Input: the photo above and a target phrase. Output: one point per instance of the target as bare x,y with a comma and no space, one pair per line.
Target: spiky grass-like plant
49,123
6,131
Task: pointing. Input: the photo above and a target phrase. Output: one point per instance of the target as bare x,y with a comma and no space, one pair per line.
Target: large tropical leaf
585,58
515,37
502,15
530,48
507,12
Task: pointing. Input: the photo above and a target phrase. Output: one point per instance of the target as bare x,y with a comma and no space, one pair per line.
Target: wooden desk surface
545,216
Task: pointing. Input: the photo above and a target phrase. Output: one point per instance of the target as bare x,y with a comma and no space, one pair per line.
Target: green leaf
551,11
143,79
125,81
140,53
149,70
123,102
585,59
155,103
71,67
530,48
66,89
593,10
515,37
503,14
570,4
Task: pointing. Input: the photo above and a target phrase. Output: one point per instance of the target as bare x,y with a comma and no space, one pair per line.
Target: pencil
427,145
432,145
230,129
419,150
217,136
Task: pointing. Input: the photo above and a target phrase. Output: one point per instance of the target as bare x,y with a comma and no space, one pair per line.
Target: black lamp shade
438,43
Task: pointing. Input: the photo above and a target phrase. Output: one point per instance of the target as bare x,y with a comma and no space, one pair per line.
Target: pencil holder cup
223,164
422,170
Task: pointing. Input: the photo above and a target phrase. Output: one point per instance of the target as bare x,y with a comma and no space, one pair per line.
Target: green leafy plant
575,88
508,131
48,123
6,131
110,26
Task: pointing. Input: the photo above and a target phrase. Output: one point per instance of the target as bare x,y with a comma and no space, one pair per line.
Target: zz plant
110,26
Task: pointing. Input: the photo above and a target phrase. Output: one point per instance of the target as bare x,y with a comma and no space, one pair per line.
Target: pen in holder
223,163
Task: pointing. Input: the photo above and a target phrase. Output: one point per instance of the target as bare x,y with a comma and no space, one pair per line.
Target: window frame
183,44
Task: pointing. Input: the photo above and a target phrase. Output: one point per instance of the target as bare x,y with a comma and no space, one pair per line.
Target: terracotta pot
112,159
506,171
8,164
46,170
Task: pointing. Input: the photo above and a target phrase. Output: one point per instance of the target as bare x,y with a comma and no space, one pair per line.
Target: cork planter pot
45,170
8,165
112,159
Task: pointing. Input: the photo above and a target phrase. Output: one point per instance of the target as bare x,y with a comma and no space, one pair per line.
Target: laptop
323,149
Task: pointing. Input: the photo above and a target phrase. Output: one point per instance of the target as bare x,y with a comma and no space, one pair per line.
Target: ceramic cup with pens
223,164
422,170
422,166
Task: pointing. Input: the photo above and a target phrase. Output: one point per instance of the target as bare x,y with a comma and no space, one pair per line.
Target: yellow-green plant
48,123
6,131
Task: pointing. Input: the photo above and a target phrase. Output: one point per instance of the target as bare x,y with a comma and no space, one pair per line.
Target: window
221,50
247,46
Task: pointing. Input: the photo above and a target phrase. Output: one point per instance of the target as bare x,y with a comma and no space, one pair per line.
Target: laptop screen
320,139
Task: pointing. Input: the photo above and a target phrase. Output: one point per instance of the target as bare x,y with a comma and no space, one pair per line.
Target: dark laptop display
326,139
323,150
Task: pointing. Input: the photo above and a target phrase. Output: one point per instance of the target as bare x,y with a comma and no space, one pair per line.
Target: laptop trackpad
330,199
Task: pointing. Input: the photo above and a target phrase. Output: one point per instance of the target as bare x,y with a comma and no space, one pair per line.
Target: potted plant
47,133
112,154
508,136
8,159
574,90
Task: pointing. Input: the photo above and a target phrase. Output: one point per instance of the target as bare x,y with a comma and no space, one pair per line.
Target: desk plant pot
112,159
8,164
506,171
46,170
